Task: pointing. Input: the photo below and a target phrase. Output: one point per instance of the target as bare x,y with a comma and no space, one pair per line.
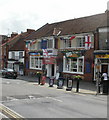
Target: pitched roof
19,41
73,26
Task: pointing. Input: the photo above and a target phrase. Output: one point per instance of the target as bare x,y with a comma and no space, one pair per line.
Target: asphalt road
31,100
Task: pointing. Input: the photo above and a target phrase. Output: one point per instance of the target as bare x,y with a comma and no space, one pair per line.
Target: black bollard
77,87
39,79
77,78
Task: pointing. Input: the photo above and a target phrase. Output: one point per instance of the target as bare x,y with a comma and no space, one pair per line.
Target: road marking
54,99
2,116
8,112
11,98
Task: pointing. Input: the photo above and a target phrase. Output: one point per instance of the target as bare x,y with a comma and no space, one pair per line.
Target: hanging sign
50,60
34,54
72,55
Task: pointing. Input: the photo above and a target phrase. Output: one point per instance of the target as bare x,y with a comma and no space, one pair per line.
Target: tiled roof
19,44
73,26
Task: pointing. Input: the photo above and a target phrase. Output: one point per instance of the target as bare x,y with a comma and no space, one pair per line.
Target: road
31,100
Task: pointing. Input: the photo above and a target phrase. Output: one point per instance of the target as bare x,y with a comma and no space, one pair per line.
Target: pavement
85,87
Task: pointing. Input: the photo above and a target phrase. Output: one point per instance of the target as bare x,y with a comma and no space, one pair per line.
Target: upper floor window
20,54
77,42
81,42
13,55
50,43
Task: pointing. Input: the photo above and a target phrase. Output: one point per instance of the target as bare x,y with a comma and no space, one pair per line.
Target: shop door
52,70
104,69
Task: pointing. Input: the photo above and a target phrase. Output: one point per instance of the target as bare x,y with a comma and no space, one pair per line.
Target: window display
74,64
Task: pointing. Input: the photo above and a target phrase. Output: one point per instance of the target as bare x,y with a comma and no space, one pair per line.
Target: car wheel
5,76
14,77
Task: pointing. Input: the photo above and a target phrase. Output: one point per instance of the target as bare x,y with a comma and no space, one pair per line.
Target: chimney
30,30
13,34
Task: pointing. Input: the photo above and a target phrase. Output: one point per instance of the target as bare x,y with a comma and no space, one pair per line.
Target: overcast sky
19,15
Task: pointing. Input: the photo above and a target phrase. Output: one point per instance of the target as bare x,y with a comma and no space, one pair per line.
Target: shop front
101,62
49,61
50,65
73,63
78,62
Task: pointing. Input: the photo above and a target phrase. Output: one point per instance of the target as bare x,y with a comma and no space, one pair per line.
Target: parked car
9,73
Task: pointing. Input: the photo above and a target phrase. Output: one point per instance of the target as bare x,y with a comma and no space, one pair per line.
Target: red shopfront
50,63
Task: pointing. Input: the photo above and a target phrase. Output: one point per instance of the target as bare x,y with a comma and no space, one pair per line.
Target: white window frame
52,44
69,71
34,63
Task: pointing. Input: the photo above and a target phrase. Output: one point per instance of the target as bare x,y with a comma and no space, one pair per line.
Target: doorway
50,70
104,69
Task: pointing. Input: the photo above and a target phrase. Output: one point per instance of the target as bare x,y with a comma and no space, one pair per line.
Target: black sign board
69,85
51,82
60,83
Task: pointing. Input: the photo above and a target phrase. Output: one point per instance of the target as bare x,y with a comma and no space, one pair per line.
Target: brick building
13,51
66,47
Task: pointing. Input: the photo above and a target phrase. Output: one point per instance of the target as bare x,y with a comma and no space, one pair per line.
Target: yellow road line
10,113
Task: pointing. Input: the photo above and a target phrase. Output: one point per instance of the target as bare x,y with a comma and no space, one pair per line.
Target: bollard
39,77
77,78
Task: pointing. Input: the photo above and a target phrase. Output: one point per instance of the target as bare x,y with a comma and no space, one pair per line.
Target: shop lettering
102,56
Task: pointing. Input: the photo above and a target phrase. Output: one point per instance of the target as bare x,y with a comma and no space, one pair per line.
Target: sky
19,15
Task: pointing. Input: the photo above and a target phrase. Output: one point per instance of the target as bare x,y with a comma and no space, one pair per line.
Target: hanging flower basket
77,77
38,74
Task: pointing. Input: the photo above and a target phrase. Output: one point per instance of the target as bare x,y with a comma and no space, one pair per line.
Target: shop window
32,62
74,65
35,62
80,65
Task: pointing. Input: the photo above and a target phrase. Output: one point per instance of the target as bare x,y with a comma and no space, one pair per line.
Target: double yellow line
10,113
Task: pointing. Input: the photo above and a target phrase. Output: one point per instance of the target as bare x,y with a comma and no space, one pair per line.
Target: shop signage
102,56
34,54
71,54
50,60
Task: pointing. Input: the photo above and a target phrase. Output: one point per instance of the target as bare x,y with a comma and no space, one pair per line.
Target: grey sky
18,15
